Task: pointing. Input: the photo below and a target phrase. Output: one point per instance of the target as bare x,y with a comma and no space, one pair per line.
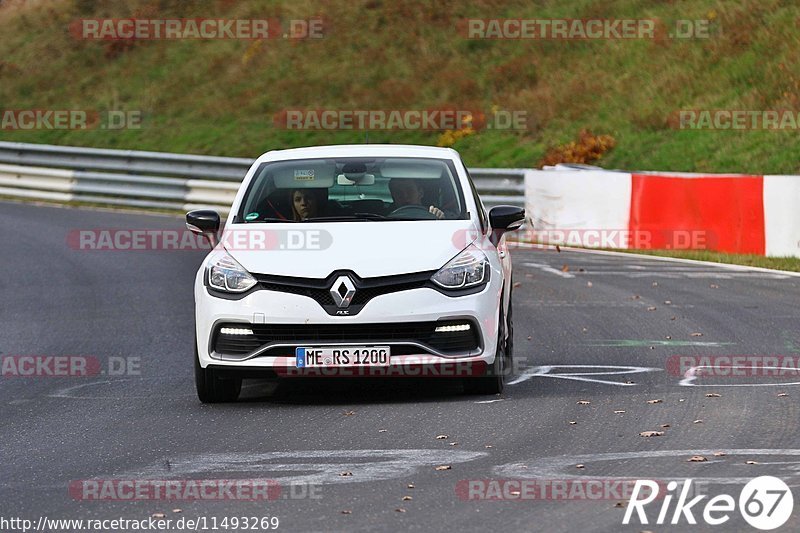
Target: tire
211,387
494,382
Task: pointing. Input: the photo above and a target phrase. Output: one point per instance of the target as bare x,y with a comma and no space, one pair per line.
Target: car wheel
494,381
211,388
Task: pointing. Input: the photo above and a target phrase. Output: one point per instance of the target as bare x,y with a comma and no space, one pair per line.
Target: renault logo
343,291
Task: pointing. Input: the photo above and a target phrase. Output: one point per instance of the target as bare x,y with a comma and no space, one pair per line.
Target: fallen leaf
346,474
698,421
565,268
651,434
517,284
659,400
696,459
441,437
673,318
444,467
583,402
651,308
751,462
558,248
618,412
407,498
713,395
158,515
579,466
697,334
347,511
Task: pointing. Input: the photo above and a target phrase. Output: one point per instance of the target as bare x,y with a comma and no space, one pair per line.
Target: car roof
360,150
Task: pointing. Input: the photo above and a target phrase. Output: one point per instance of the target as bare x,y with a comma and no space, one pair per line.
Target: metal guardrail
162,180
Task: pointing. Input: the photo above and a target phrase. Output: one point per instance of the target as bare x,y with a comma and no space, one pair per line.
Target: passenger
409,192
308,203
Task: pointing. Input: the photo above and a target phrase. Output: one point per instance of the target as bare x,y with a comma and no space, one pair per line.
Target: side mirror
204,222
503,218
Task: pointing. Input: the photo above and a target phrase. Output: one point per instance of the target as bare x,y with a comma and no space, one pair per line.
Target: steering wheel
412,211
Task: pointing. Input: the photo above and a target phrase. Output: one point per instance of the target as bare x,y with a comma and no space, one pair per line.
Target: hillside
221,96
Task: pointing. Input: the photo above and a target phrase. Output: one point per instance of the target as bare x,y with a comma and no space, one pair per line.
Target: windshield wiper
354,216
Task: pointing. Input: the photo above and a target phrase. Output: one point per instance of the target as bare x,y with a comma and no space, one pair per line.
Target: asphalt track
613,313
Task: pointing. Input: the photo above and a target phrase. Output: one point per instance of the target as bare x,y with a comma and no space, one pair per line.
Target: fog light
454,327
236,331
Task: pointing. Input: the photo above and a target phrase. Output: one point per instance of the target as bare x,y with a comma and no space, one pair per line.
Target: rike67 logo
765,502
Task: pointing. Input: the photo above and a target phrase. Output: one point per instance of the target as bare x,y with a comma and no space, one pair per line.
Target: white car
359,260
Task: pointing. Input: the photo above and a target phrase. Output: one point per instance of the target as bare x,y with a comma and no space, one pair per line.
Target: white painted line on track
691,376
549,269
640,257
610,370
562,467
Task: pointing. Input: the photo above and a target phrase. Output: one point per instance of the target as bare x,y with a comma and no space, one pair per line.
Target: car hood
314,250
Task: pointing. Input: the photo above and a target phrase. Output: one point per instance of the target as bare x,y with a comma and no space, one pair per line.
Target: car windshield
353,189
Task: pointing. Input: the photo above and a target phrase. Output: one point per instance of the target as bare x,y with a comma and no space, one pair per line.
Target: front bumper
262,308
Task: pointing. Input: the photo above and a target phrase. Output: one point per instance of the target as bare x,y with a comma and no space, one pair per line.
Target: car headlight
467,269
225,274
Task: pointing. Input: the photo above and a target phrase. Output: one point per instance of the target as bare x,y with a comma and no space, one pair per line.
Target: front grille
366,288
403,334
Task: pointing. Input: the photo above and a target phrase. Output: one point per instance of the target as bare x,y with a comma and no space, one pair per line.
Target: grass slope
219,97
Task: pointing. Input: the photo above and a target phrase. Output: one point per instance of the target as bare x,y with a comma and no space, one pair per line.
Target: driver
409,192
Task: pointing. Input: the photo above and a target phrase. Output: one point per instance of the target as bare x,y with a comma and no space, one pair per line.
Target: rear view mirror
355,179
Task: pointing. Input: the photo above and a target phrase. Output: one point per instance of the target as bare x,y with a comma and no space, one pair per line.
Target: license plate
342,356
